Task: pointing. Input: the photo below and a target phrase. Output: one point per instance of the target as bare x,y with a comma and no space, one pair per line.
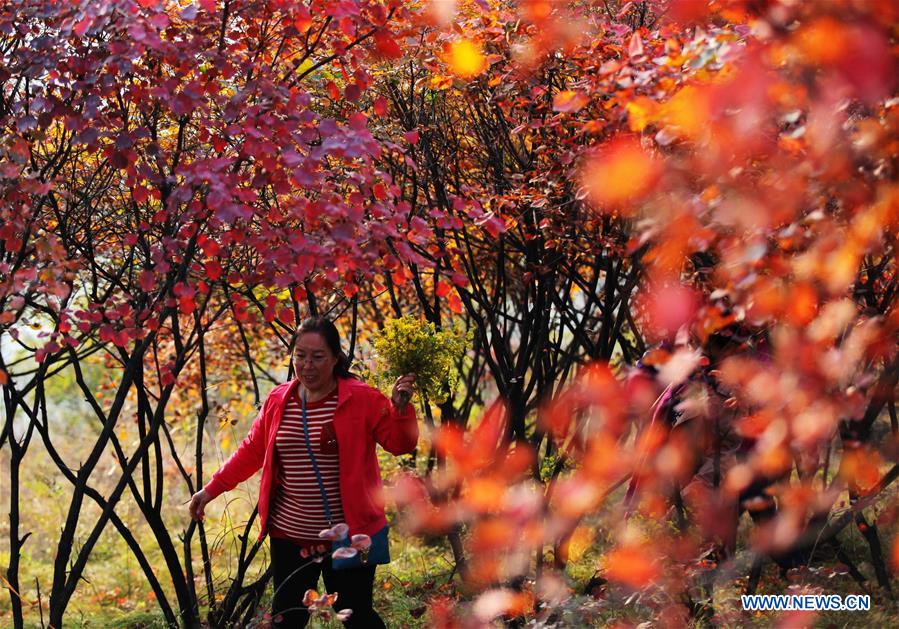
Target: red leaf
160,20
624,9
459,279
399,277
387,46
380,106
333,90
347,26
443,289
213,270
352,92
494,226
106,333
166,377
492,428
286,315
411,136
209,246
120,338
455,304
183,289
668,307
82,26
140,194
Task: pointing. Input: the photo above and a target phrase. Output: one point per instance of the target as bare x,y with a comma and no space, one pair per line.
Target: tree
736,174
175,158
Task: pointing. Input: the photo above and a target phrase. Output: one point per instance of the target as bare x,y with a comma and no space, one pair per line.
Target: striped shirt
297,511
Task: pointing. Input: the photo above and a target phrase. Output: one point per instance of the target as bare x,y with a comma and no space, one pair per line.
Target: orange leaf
491,428
861,469
803,305
537,11
621,174
823,41
484,494
631,565
569,101
303,19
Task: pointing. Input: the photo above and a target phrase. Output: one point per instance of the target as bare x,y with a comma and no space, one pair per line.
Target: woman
345,419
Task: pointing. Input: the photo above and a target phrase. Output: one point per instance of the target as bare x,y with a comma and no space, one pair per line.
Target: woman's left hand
402,390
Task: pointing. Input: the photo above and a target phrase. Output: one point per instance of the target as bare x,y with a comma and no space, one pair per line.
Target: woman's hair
328,331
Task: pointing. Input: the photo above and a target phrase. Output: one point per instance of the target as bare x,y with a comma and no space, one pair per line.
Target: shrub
410,345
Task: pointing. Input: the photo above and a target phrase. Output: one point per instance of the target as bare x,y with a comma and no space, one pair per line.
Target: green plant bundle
410,345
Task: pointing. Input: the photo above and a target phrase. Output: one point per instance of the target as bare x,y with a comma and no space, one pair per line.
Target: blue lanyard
318,474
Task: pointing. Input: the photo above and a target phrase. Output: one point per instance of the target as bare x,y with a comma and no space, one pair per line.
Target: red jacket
364,417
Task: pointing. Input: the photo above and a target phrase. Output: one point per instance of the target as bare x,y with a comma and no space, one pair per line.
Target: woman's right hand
198,504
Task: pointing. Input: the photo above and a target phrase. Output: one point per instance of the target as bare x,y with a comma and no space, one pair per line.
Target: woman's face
314,362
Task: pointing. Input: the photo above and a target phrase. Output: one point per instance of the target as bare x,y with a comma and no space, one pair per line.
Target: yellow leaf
578,543
688,111
466,59
439,82
640,112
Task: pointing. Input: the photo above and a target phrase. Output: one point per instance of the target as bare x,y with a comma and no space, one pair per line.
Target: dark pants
353,587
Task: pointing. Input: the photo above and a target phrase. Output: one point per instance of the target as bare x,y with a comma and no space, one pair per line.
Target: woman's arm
396,429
